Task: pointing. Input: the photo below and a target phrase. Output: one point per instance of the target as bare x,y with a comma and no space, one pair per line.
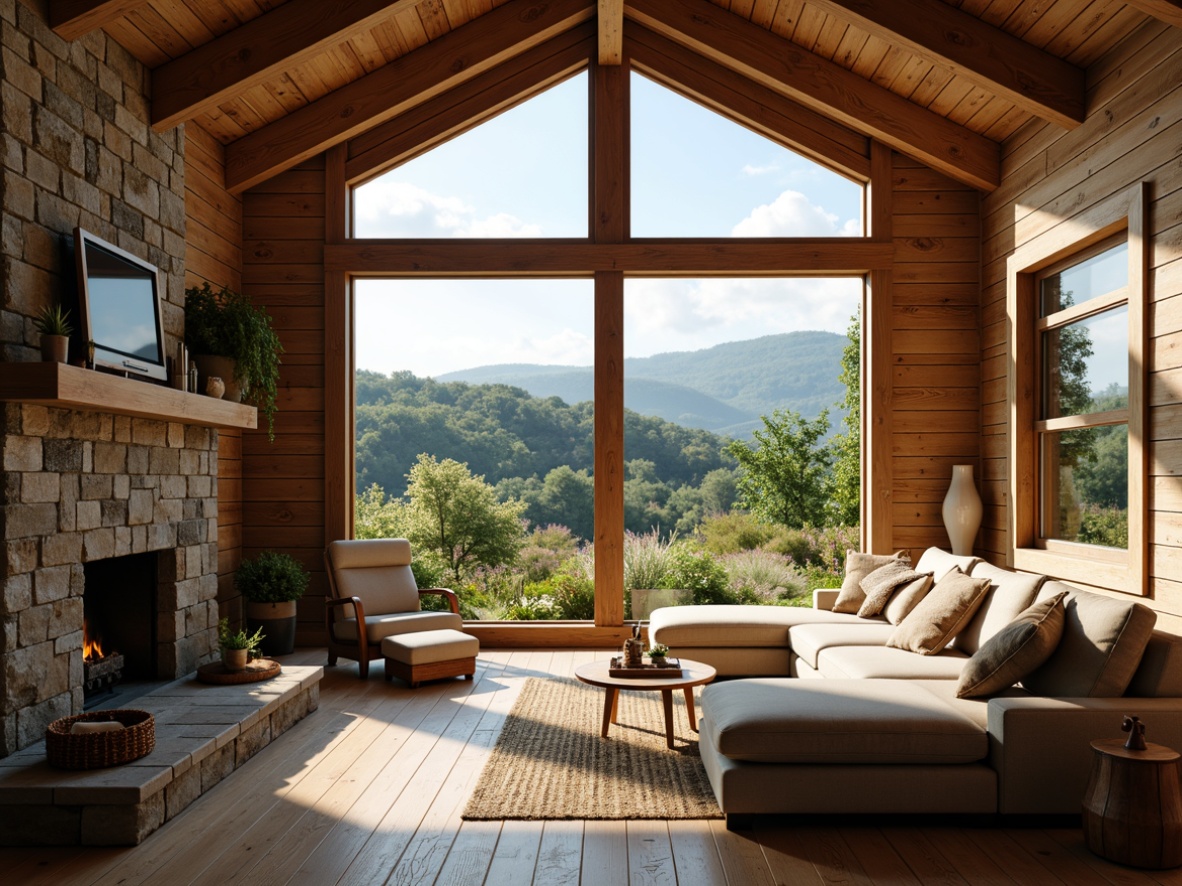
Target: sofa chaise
829,718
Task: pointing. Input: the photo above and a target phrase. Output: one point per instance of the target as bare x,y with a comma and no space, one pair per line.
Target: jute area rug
550,762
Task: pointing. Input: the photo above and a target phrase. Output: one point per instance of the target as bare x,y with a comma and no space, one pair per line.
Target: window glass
697,174
1102,273
1085,365
1085,485
520,174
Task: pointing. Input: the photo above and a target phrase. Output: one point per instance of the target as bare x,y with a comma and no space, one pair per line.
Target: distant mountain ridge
725,388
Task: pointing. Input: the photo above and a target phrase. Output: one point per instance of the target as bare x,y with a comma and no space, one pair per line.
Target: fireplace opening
119,622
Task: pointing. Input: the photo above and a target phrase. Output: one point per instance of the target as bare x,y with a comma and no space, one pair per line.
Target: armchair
373,595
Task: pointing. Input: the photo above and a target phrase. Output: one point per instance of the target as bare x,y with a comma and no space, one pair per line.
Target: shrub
545,551
271,577
763,576
1104,526
647,560
573,592
698,571
733,532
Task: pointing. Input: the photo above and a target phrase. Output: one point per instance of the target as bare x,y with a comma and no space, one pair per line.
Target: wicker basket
95,750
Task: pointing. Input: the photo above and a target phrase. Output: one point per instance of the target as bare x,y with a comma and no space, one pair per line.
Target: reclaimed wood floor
370,788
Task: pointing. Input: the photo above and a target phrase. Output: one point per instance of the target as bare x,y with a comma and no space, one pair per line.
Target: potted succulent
658,652
271,583
237,646
232,339
54,325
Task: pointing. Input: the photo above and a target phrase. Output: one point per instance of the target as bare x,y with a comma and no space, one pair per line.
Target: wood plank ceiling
945,81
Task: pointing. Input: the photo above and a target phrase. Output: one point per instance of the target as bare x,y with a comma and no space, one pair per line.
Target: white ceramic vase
962,510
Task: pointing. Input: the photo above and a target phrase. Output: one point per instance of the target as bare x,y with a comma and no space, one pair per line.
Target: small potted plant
657,653
54,325
237,646
232,339
271,583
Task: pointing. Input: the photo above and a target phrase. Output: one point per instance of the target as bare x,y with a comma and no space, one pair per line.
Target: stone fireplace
81,487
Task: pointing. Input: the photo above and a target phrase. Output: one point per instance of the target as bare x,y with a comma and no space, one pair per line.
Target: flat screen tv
119,308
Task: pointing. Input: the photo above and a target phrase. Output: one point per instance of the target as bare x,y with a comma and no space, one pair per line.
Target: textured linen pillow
857,567
1014,651
935,620
904,599
881,583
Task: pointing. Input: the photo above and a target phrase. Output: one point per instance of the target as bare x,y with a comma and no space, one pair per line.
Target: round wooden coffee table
693,673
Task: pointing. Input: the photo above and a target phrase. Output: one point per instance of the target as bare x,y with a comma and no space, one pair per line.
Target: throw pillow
881,583
1015,650
857,567
935,620
904,599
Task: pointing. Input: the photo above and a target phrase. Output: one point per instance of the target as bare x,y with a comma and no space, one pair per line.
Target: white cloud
389,208
750,169
793,215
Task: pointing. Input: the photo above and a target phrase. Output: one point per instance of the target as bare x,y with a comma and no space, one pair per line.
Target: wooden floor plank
923,857
1054,856
742,858
650,854
560,855
516,855
1018,864
877,856
809,853
975,866
470,854
1073,842
695,856
605,854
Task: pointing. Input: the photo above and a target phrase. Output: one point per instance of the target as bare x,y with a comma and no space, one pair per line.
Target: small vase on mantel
962,510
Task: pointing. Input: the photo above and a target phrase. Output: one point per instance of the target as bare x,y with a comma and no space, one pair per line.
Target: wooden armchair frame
362,650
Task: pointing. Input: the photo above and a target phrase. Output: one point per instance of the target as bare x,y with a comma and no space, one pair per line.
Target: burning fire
92,644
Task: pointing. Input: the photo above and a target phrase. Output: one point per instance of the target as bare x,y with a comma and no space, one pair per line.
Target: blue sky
524,174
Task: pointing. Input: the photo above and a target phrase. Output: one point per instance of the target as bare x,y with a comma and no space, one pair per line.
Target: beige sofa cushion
1160,673
939,616
377,627
857,567
941,562
880,584
1009,595
775,720
1015,650
731,626
888,663
809,640
1103,640
906,598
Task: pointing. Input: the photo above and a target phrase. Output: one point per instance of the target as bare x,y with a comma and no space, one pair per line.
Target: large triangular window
697,174
521,174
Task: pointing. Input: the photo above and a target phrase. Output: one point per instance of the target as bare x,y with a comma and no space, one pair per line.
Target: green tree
785,480
846,485
457,516
375,516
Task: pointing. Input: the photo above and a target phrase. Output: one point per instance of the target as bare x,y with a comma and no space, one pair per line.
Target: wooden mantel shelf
71,387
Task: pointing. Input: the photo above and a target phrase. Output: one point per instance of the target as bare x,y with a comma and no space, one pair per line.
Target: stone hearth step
203,733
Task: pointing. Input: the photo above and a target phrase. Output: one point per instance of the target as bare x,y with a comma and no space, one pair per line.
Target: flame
92,644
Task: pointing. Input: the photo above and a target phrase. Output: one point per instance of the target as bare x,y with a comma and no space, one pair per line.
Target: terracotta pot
55,348
235,659
209,366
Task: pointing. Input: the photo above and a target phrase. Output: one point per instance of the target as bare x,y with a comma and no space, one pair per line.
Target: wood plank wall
935,346
283,486
213,252
1051,176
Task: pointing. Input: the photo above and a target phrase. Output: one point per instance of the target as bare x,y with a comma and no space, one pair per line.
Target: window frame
1065,244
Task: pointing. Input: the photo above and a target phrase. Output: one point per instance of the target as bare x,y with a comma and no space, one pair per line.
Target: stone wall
78,151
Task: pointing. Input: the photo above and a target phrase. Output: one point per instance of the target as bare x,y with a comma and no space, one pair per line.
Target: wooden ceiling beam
611,32
263,47
407,82
824,86
1036,81
758,108
1168,11
468,105
71,19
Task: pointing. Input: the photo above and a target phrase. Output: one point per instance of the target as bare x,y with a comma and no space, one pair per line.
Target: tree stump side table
1132,808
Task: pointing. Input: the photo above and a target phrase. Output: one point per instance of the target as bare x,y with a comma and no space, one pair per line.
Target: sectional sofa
828,718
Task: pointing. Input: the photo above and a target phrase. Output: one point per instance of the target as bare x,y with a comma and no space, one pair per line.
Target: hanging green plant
226,323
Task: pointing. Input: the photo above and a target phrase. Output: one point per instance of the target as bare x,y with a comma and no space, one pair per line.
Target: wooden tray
671,668
259,669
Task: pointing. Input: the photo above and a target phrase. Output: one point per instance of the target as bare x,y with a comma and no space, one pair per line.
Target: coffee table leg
609,708
689,709
667,699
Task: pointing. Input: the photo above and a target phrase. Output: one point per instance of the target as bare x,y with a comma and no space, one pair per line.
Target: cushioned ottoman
430,655
785,745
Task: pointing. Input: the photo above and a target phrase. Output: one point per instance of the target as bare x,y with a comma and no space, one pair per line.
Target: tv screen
119,308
